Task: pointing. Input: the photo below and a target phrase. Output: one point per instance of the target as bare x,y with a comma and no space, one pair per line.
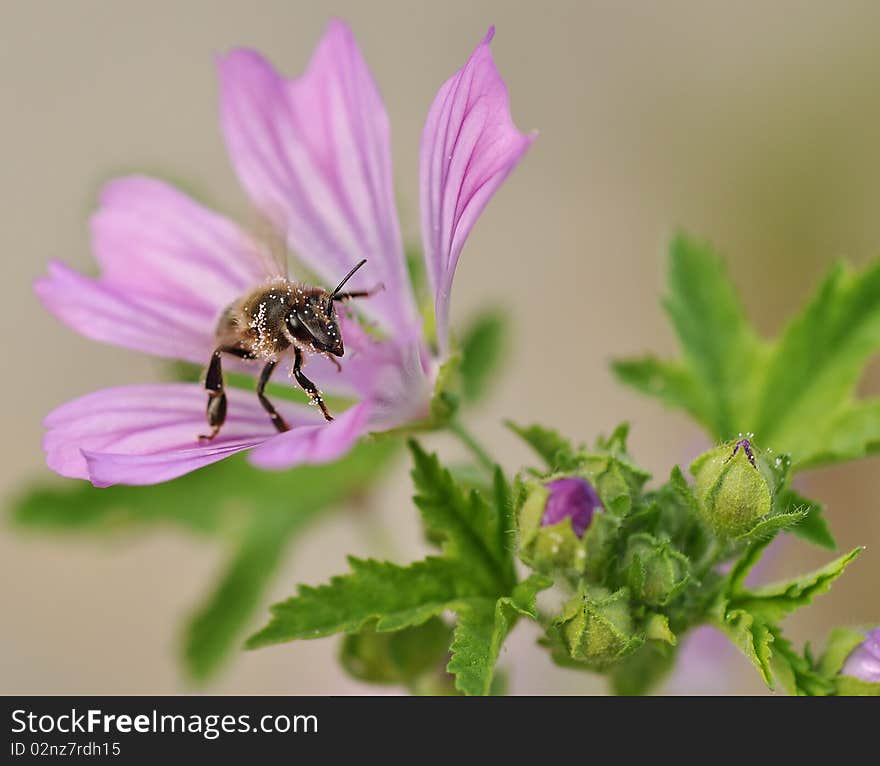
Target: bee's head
314,321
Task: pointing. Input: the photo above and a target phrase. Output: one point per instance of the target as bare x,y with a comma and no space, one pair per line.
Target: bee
266,323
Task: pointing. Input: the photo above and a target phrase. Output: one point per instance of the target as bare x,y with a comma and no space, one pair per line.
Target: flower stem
473,446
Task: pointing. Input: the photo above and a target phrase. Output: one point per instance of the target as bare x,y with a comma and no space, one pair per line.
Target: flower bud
597,626
553,519
655,571
571,498
732,488
864,661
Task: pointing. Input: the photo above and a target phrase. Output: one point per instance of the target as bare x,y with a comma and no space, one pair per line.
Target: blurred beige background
757,126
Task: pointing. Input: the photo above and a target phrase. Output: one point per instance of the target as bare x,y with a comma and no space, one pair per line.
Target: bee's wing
272,245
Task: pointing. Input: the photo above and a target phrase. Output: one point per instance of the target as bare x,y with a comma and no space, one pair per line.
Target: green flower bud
733,488
597,626
655,571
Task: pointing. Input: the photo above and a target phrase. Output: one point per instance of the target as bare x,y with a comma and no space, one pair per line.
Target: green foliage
410,657
750,618
797,392
474,578
482,351
254,514
555,450
773,602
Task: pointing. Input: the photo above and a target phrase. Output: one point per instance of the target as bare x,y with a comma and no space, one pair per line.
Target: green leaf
741,568
392,596
795,672
796,393
476,643
216,625
752,636
475,532
813,528
555,450
475,578
257,514
720,348
482,350
847,686
819,359
480,632
671,382
773,602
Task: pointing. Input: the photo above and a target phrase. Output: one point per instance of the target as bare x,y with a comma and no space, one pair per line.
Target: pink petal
169,267
314,155
321,443
469,146
148,434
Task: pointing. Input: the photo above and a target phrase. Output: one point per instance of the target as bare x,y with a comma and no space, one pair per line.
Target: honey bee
266,323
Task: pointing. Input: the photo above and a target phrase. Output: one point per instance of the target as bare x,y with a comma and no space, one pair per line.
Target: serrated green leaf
476,643
720,347
482,350
813,528
773,602
797,393
481,629
475,531
752,636
850,433
392,596
553,448
819,358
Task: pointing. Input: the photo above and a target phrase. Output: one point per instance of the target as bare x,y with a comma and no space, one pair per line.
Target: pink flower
313,155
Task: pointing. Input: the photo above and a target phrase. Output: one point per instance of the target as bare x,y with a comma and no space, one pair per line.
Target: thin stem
473,446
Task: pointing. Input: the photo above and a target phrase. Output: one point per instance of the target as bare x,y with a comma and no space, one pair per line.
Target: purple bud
573,499
864,661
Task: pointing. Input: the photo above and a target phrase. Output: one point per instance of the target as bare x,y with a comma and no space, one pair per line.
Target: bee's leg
335,361
310,388
216,409
277,420
359,293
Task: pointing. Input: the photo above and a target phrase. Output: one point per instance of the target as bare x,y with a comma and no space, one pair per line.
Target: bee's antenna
347,277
